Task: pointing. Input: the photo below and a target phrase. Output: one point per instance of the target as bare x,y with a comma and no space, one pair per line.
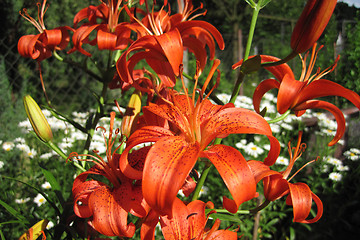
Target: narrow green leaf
225,217
264,3
13,212
10,222
251,3
55,186
2,235
39,191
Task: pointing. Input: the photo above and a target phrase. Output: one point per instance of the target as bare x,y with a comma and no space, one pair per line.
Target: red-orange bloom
189,222
165,57
40,46
192,126
297,95
277,185
107,207
111,35
311,24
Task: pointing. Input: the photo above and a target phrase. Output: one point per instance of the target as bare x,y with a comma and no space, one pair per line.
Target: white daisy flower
328,132
275,128
335,176
286,126
253,150
19,140
46,185
282,161
47,155
39,200
203,191
241,144
342,168
50,225
224,97
351,155
22,200
355,150
8,146
23,147
333,161
31,153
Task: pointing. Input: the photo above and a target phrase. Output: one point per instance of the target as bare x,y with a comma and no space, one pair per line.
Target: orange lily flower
297,95
163,56
111,35
191,127
311,24
189,222
107,207
277,185
40,46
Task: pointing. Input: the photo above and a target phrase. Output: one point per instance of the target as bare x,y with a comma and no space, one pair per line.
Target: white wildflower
282,161
23,147
39,200
8,146
22,200
333,161
342,168
46,185
241,144
335,176
253,150
50,225
31,153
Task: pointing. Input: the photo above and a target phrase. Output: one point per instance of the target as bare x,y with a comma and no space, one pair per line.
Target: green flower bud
37,119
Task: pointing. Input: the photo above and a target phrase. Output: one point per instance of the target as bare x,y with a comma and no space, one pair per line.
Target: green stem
201,182
237,86
98,115
240,79
63,155
226,211
261,207
284,60
254,18
280,118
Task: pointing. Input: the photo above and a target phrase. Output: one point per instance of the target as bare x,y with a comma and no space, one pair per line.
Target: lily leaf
225,217
13,212
251,3
264,3
55,186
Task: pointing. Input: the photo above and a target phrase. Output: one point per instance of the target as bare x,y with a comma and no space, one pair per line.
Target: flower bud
311,24
131,113
37,119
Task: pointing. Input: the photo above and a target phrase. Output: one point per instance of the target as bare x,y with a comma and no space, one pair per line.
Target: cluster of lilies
154,153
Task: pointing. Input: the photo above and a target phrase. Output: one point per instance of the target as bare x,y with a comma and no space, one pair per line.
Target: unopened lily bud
37,119
311,24
131,114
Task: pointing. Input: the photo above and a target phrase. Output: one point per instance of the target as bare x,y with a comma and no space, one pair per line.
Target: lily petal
260,170
167,165
323,88
143,135
300,198
235,172
289,90
238,120
109,218
260,91
339,116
